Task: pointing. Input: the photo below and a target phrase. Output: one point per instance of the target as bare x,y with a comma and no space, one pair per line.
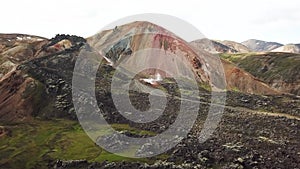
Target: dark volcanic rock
41,84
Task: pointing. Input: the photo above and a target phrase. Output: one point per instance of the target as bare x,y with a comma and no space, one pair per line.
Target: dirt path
288,116
243,109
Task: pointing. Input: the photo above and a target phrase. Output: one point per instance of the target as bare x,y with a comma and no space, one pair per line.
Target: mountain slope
236,78
279,70
123,42
218,46
290,48
212,46
38,84
17,48
240,48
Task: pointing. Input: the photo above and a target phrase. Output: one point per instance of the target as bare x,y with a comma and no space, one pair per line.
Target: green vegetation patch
35,144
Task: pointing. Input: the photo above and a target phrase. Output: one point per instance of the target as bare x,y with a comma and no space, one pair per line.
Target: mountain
241,80
218,46
236,78
290,48
212,46
240,48
35,80
278,70
124,41
261,46
17,48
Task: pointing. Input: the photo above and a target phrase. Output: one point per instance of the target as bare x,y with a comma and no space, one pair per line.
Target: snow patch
154,81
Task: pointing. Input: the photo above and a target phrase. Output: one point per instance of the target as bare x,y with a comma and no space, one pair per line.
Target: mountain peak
261,46
124,41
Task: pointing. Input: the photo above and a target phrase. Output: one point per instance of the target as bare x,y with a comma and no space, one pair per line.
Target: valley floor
245,138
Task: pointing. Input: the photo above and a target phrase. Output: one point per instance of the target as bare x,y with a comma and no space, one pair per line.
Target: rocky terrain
34,86
240,142
39,127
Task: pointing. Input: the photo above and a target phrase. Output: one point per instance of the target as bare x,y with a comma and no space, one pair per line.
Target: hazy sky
239,20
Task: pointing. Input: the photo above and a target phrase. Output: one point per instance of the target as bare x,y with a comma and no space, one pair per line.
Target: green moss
34,144
166,45
205,86
235,89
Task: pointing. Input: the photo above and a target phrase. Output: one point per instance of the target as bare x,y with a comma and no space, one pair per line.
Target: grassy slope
279,70
34,144
278,66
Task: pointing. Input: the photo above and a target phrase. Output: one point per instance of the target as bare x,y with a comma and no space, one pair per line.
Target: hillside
212,46
17,48
279,70
240,48
34,82
236,78
290,48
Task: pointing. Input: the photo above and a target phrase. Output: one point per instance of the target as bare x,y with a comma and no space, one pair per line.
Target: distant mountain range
251,45
261,46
